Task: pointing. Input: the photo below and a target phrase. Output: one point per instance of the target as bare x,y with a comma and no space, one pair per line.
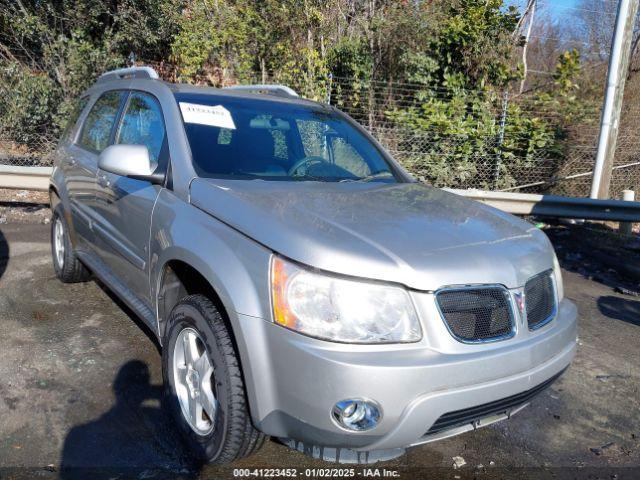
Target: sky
558,9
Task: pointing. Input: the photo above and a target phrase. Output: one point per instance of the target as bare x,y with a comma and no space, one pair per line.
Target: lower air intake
469,415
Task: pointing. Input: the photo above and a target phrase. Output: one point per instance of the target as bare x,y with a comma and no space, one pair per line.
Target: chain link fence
35,153
449,138
495,154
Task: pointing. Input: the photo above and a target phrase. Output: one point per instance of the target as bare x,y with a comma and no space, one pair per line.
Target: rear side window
78,107
97,127
142,124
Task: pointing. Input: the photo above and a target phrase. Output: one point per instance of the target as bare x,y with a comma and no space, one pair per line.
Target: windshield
255,138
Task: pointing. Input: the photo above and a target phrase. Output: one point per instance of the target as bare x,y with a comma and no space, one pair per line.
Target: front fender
234,265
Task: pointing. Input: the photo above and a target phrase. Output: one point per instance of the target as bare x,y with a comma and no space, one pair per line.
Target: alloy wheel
58,241
192,374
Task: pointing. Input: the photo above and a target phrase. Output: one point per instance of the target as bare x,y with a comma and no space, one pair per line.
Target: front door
124,205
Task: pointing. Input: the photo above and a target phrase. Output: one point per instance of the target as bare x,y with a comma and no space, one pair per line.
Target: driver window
143,124
318,142
345,156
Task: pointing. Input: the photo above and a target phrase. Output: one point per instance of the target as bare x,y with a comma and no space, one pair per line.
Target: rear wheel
66,264
204,383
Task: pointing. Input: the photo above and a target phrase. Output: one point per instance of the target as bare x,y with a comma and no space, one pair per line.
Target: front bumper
293,381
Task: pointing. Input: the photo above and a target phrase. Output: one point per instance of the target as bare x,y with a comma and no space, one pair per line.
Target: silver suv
301,283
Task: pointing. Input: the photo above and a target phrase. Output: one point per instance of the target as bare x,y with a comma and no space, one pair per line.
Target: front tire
204,385
67,266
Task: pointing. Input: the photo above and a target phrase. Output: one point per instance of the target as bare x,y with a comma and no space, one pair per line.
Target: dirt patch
24,206
597,252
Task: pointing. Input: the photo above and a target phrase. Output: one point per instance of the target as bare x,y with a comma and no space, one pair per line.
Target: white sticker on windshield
216,116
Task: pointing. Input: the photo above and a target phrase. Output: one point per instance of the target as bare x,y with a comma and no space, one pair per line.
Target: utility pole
609,123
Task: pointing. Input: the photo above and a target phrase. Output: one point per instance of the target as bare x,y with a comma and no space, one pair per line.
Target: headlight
333,308
557,273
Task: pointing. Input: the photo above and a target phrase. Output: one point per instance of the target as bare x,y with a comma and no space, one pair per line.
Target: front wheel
204,383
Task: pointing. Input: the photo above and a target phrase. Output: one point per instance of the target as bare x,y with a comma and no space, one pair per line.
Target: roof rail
130,72
269,89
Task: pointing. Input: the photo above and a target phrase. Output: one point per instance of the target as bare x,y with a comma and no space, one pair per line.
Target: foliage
213,33
29,102
454,137
459,56
454,132
476,42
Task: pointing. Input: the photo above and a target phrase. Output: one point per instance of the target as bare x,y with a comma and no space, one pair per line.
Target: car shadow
135,438
620,309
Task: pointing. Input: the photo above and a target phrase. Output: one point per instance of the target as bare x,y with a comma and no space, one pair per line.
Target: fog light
356,414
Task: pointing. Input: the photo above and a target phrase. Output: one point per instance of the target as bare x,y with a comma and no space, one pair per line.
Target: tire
230,434
67,266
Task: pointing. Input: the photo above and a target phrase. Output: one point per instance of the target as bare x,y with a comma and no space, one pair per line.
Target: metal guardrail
27,178
37,178
556,206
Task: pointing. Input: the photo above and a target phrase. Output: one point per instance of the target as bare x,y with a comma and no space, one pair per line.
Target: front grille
469,415
540,299
477,314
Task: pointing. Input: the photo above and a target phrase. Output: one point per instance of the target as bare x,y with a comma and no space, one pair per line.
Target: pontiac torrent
301,283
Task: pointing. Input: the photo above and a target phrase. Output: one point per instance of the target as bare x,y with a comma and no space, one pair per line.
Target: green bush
29,103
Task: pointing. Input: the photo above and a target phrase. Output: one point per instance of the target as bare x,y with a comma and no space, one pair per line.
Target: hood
408,233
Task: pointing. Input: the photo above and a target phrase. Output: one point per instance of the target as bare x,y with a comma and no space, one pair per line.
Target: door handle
103,181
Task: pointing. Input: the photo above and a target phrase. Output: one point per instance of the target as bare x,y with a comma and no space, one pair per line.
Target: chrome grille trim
554,298
509,303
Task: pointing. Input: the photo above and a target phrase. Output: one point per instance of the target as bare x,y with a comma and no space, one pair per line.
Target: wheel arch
54,196
178,279
57,197
226,264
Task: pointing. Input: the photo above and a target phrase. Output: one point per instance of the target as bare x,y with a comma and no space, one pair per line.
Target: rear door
81,163
124,205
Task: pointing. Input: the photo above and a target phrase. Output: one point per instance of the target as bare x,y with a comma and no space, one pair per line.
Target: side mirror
131,161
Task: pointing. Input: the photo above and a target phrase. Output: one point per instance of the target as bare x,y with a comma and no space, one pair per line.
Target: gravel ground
80,384
23,206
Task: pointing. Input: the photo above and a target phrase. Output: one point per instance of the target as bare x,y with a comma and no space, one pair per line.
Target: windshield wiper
307,178
373,176
383,173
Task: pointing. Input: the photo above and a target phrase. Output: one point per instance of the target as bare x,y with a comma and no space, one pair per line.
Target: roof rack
126,73
269,89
